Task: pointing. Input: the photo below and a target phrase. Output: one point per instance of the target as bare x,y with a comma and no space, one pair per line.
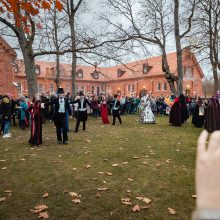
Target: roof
7,47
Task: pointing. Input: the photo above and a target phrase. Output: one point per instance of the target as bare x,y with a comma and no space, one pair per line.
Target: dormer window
79,73
37,70
121,72
95,75
145,68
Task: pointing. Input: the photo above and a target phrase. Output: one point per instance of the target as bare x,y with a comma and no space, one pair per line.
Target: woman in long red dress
104,112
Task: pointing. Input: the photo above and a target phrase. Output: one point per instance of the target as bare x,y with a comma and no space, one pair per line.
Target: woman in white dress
147,116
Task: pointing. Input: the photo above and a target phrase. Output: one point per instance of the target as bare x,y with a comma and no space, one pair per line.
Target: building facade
134,78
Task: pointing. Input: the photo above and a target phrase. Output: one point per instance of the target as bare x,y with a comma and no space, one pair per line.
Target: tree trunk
29,65
178,48
216,79
168,75
58,71
74,57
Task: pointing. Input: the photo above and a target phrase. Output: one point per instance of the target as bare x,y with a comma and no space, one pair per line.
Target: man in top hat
116,110
61,105
82,111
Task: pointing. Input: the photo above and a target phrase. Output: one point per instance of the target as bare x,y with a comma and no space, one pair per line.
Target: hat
60,91
81,93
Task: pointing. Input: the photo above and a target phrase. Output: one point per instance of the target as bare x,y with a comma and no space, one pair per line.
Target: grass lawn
152,161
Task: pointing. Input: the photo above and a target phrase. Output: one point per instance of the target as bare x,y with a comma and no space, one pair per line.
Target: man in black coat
61,106
82,111
116,110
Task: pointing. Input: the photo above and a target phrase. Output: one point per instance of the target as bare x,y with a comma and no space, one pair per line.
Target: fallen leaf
102,189
73,194
128,191
124,163
136,208
114,164
98,195
146,200
60,156
87,141
135,157
8,191
130,179
104,181
88,166
74,168
76,201
2,199
158,164
2,160
144,162
194,196
22,159
39,208
4,168
108,174
172,211
45,195
168,160
43,215
101,173
139,198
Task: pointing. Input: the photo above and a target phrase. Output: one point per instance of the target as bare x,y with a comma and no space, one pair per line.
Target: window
129,88
132,88
93,89
165,86
188,72
158,86
19,88
40,88
37,70
121,72
51,87
145,68
79,73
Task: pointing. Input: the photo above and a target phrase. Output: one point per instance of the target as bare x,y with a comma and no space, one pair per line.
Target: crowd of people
58,108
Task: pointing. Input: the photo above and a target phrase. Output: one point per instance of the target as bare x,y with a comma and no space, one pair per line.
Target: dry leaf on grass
126,201
43,215
102,189
144,199
2,160
2,199
4,168
194,196
60,156
130,179
45,195
108,174
128,191
101,173
124,163
76,201
74,169
39,208
136,208
8,191
87,141
144,162
98,195
135,157
73,194
88,166
172,211
114,164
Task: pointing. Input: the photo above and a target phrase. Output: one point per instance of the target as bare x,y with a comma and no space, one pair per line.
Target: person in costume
184,110
23,109
198,114
61,106
212,115
147,116
116,110
175,113
104,112
82,111
36,122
